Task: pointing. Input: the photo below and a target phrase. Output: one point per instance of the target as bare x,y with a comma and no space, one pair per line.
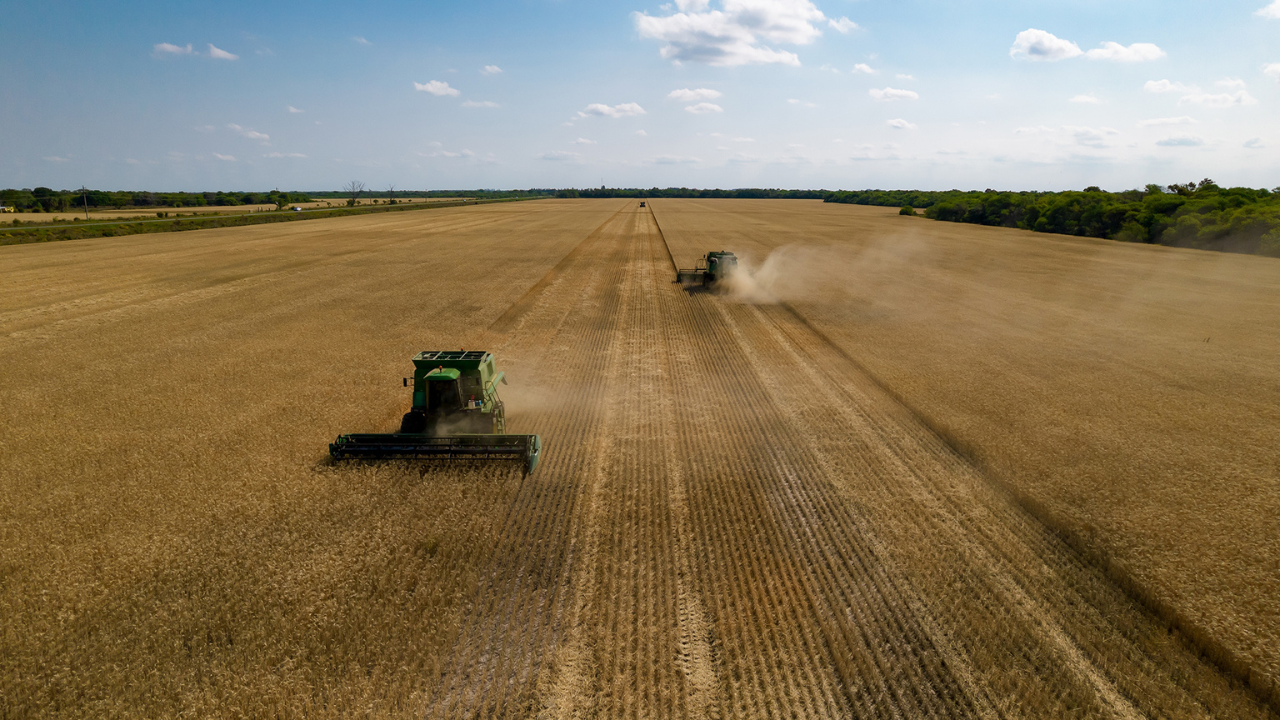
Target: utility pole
85,194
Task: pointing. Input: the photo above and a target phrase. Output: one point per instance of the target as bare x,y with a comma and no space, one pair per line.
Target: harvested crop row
1017,617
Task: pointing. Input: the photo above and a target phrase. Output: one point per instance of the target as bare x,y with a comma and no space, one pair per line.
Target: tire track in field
1013,573
897,668
1022,625
884,662
517,612
639,646
831,627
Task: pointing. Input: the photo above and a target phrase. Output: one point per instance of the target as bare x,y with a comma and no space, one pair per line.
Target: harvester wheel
413,423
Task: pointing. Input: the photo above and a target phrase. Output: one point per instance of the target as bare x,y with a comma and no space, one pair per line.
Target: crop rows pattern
732,518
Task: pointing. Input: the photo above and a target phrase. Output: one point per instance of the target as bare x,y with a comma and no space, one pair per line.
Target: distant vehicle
641,203
8,209
297,209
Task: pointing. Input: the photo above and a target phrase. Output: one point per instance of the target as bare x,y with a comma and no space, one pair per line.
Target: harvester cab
710,270
456,414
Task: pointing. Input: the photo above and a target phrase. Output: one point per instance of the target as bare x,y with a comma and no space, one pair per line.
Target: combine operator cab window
472,391
442,396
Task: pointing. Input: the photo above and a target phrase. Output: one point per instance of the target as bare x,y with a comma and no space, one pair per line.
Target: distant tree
391,191
907,210
354,188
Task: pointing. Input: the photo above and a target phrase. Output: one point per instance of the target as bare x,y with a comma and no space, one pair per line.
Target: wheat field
812,497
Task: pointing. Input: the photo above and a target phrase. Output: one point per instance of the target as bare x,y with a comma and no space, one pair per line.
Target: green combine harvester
456,415
710,270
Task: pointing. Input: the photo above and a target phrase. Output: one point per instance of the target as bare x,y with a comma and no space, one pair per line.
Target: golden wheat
733,518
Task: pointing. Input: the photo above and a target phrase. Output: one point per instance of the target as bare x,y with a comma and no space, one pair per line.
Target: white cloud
863,68
1272,70
1271,12
1086,100
642,133
900,124
1074,134
284,155
559,155
703,108
228,158
1221,100
1181,141
1157,122
205,128
1254,143
251,134
889,94
293,109
687,95
1164,86
220,54
614,111
490,70
675,160
734,34
56,159
361,40
903,76
844,25
1137,52
1035,44
131,161
584,141
1090,137
169,49
794,101
480,104
1231,83
437,87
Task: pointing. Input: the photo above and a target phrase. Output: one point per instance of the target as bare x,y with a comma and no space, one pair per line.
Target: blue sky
720,93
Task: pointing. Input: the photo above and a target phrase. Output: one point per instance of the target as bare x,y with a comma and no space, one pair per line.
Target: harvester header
456,414
711,269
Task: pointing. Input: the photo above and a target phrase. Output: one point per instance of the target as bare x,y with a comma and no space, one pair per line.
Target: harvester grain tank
710,270
456,415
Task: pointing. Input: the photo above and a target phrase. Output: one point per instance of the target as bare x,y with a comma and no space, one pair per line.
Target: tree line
683,192
1196,214
43,199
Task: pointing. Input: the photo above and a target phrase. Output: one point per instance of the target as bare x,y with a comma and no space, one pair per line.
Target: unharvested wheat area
905,469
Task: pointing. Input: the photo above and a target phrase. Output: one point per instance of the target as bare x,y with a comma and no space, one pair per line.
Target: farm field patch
134,213
736,514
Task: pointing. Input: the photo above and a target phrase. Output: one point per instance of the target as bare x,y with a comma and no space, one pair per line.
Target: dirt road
731,518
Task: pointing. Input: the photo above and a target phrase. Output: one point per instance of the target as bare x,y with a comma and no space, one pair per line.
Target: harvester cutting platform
456,415
710,270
